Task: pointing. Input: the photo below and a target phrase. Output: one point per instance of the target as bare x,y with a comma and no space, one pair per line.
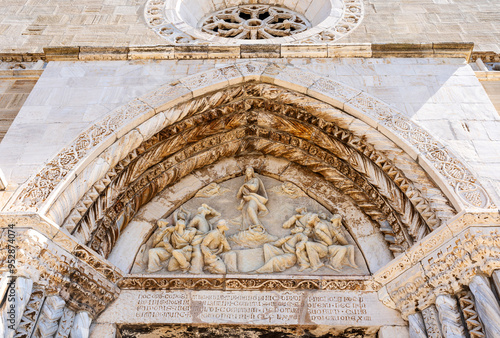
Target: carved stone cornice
443,263
57,270
179,52
233,283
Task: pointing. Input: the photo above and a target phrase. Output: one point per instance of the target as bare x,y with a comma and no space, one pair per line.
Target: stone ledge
180,52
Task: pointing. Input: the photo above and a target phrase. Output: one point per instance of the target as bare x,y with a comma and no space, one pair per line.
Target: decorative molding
48,321
449,316
447,270
65,323
208,109
417,326
486,304
468,307
59,272
229,283
434,240
26,327
183,52
431,320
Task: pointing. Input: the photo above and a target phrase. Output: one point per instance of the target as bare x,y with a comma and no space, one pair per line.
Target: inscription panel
250,307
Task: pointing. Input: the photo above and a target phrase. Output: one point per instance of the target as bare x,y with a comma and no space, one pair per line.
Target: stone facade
323,168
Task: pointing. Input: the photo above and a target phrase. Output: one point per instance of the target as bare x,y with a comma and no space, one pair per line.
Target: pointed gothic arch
337,132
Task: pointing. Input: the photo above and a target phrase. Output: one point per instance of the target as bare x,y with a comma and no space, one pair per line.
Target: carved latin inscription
251,308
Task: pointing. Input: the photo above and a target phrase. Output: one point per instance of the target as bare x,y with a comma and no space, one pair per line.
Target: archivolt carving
37,189
104,240
457,175
293,119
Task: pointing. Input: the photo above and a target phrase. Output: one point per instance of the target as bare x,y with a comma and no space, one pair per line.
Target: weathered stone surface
250,307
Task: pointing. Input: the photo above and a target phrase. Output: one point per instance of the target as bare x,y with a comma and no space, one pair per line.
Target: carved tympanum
197,243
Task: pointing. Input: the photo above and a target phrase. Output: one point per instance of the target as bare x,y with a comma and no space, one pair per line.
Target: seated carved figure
340,252
329,242
213,244
200,220
318,249
162,250
285,253
181,240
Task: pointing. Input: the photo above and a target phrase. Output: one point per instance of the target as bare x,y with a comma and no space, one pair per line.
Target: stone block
260,51
103,53
155,53
61,53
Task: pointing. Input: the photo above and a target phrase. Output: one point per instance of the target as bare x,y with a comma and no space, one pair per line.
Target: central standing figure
253,197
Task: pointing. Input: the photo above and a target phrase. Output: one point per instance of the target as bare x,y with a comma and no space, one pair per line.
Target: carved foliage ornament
57,271
208,283
447,270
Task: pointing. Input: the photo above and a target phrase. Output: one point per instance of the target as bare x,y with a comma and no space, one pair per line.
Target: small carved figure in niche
213,244
254,198
200,220
285,253
161,248
181,241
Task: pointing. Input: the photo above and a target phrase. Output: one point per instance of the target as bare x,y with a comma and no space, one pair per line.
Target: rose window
254,22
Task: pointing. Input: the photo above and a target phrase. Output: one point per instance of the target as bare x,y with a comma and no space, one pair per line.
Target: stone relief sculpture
285,253
289,189
213,189
254,198
197,243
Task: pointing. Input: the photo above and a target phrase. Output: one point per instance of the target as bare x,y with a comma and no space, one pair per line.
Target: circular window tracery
303,22
253,22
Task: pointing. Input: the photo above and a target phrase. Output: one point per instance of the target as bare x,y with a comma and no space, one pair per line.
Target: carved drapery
236,122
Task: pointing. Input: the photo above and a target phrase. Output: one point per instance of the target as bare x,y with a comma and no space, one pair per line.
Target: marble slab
353,308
